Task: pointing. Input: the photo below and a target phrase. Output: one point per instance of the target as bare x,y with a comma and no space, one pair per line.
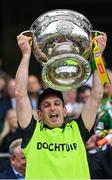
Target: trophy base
66,71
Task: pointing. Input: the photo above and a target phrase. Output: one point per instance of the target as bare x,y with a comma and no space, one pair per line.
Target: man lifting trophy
65,45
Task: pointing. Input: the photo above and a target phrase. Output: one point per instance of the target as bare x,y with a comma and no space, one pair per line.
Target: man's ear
65,111
12,159
39,114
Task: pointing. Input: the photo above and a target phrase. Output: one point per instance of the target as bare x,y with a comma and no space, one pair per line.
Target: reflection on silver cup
62,43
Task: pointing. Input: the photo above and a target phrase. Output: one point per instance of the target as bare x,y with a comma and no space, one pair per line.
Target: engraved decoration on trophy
62,43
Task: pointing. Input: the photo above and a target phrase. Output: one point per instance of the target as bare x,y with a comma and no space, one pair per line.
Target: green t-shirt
105,105
105,121
57,153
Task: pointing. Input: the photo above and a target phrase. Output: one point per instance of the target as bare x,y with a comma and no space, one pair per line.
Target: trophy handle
27,33
96,33
33,42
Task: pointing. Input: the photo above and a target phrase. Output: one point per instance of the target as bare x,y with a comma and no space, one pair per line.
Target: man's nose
52,106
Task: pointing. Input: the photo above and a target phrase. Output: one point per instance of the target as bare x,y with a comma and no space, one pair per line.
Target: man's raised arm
23,106
91,106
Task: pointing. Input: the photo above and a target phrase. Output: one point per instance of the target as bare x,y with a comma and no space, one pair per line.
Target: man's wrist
26,55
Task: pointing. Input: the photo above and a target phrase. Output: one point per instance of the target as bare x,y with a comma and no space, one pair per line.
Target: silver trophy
62,43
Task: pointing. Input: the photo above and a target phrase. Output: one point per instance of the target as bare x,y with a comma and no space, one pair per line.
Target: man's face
108,90
11,88
18,161
85,95
12,119
2,84
52,111
33,84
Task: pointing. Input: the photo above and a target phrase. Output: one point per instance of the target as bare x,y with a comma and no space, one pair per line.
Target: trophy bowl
62,43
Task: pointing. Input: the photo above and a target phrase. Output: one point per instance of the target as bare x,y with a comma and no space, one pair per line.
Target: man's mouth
54,117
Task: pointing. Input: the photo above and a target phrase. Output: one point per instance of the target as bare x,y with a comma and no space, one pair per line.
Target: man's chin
55,124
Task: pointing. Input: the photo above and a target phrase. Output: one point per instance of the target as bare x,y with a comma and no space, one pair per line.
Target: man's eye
46,105
57,103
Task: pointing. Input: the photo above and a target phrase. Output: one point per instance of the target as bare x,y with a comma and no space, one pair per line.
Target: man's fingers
92,142
90,146
24,38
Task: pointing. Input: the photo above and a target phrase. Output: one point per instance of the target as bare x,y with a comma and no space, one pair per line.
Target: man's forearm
91,106
97,89
22,75
23,106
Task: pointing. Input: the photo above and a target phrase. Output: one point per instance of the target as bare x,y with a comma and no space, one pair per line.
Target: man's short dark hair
47,92
83,88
